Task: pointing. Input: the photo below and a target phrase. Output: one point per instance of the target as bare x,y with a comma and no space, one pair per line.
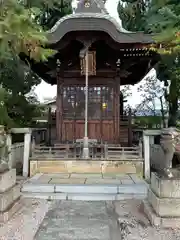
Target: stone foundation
9,195
163,202
81,166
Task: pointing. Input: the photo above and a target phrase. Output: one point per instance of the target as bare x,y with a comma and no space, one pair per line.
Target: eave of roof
97,22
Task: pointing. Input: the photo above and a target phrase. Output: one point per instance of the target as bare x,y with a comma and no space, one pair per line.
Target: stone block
153,218
39,188
7,180
133,189
164,207
103,181
46,196
86,175
9,197
44,179
136,179
163,222
87,167
119,168
127,181
165,188
111,189
67,181
8,213
33,168
58,175
91,197
53,169
121,197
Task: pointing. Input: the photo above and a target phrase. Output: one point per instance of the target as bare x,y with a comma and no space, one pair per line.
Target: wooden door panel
75,130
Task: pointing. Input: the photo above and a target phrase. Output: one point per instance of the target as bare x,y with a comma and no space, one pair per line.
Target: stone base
9,195
163,202
8,213
83,166
164,207
165,187
7,180
160,221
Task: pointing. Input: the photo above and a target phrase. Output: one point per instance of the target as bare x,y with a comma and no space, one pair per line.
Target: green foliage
22,29
148,121
162,18
132,14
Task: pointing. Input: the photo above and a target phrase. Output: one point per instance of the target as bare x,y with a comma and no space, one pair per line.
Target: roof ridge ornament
91,6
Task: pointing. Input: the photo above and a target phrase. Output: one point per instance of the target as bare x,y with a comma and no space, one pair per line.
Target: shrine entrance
100,113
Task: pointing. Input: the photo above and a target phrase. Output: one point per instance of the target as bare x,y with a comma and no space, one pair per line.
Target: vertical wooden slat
114,112
59,111
130,128
101,120
118,109
49,126
74,122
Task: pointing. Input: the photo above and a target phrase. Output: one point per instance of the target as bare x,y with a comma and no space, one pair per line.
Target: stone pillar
27,143
9,194
146,141
9,145
162,206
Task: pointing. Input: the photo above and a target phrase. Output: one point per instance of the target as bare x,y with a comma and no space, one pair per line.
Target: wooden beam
59,105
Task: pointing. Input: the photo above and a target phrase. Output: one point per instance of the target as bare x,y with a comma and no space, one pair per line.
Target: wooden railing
97,151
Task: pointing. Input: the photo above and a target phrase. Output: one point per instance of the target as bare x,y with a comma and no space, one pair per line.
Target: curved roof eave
95,22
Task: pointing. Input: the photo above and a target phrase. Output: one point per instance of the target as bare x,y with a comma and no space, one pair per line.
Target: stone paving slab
127,181
58,175
67,181
78,220
102,181
44,179
115,176
85,175
136,179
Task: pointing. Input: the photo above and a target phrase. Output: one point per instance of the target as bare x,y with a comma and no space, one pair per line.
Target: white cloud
45,90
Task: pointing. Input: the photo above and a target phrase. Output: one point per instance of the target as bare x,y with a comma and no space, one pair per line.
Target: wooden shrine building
116,57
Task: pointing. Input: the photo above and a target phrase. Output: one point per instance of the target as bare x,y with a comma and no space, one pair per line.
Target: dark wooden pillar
121,104
114,112
59,104
49,142
117,100
101,115
130,136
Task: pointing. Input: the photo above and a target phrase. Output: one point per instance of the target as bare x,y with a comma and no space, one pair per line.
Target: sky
45,91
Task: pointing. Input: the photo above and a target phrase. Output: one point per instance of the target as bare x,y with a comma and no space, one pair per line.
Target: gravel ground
89,220
134,225
25,223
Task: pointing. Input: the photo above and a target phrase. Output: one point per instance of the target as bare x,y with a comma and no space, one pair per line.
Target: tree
133,14
160,17
163,19
153,94
22,29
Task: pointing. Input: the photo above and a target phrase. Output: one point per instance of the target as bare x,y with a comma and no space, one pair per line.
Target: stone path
77,220
82,178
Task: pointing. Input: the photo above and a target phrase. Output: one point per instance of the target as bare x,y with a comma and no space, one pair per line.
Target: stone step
83,192
83,197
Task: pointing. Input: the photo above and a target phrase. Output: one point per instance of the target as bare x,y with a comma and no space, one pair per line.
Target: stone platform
163,202
93,187
9,195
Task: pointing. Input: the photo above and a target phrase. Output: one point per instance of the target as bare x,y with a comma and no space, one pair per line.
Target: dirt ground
134,225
